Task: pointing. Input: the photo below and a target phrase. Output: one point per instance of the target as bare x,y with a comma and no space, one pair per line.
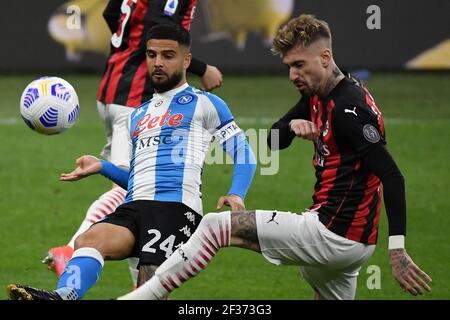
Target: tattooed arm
410,277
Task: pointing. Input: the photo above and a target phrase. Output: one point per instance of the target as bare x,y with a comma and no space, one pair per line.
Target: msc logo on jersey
153,141
185,99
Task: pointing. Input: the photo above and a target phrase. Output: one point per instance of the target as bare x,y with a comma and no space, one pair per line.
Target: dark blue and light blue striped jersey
170,136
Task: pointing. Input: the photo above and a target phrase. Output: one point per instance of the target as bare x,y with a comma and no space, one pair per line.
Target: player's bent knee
86,239
92,238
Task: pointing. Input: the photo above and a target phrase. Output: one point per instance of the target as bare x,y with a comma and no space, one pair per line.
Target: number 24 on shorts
166,245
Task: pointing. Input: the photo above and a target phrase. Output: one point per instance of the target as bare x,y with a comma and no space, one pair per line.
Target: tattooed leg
145,273
243,230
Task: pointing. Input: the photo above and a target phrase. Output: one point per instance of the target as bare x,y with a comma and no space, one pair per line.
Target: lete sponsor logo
149,122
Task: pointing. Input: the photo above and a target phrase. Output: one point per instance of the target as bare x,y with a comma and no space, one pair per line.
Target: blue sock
80,274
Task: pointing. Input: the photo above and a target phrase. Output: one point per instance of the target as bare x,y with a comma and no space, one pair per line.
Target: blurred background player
170,135
124,87
339,233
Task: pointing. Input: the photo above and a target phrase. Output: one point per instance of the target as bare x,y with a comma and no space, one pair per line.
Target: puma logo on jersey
351,111
273,217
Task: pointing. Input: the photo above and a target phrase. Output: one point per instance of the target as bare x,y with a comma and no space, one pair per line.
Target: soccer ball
49,105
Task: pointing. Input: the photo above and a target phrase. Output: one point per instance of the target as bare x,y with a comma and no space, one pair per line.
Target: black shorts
158,227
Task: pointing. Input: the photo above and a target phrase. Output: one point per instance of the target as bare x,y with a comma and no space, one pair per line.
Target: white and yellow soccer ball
49,105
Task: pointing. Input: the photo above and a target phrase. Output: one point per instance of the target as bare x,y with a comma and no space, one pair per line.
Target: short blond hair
301,31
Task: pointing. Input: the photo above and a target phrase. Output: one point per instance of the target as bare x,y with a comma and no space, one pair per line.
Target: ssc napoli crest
185,99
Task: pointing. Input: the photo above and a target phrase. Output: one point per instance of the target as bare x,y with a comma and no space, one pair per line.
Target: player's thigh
120,146
111,240
289,238
336,277
332,284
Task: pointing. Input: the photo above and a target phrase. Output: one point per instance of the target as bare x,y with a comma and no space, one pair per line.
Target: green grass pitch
37,211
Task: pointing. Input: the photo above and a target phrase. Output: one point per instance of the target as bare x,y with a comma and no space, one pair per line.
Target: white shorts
118,148
328,262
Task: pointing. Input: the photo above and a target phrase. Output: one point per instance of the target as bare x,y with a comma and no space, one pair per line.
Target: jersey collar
171,93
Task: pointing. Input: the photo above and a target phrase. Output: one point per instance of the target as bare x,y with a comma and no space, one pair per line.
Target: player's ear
187,60
325,57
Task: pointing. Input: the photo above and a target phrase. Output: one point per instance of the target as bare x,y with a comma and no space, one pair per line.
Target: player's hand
212,78
86,166
410,277
235,202
304,129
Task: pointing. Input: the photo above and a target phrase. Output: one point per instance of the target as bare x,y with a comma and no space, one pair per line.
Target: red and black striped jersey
347,195
125,81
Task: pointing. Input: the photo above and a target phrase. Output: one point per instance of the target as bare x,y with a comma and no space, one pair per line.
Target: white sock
213,233
100,208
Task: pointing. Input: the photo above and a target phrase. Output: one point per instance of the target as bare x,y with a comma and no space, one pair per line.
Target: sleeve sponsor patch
227,131
371,133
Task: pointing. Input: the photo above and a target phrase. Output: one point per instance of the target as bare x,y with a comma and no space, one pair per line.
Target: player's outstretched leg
213,233
81,273
107,203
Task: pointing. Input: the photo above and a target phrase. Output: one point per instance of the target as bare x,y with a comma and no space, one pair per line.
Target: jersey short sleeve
218,119
356,127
